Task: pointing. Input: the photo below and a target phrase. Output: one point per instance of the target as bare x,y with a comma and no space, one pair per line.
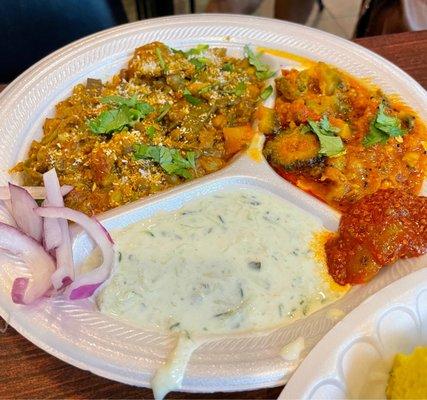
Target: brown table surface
28,372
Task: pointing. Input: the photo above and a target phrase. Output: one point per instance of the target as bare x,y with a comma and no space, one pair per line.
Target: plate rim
27,77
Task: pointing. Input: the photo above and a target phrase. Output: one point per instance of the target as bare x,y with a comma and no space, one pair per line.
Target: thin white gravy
292,351
233,261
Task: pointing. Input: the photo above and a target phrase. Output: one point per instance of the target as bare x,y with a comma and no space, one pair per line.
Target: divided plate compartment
75,331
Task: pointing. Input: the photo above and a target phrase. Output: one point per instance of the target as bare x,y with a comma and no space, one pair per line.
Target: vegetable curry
376,231
340,139
168,117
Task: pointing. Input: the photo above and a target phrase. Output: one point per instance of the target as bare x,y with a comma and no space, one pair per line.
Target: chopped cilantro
266,93
177,51
228,66
382,127
128,111
330,144
120,101
109,121
169,159
255,61
195,101
199,63
163,111
263,75
162,63
240,89
199,49
150,131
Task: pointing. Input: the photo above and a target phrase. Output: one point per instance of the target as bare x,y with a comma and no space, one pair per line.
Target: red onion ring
38,261
85,285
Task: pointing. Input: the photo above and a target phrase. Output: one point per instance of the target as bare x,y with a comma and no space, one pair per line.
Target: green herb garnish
255,60
228,66
128,112
150,131
199,49
266,93
169,159
330,144
263,75
240,89
195,101
383,127
177,51
199,63
163,111
162,63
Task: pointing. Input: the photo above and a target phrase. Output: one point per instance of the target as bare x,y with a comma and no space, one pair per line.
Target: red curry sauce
376,231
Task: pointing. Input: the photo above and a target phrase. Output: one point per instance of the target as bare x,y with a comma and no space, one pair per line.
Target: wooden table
28,372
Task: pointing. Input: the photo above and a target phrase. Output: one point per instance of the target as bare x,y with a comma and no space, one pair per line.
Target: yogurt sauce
235,260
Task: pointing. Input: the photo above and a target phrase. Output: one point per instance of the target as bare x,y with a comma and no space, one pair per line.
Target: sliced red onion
23,211
85,285
38,261
52,236
36,192
6,214
57,234
107,234
64,273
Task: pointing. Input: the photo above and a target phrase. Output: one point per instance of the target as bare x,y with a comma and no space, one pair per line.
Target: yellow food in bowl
408,376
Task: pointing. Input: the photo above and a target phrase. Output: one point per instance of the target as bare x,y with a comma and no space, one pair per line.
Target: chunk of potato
236,138
265,120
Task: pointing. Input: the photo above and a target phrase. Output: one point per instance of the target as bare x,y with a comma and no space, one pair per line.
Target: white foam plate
354,359
75,331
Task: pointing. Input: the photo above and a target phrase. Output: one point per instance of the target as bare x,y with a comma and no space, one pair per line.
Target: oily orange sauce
351,106
377,231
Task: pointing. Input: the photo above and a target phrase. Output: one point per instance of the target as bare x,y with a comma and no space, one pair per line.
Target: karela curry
341,139
168,117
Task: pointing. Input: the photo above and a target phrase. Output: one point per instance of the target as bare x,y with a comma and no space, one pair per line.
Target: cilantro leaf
199,49
382,127
169,159
263,75
330,144
326,126
150,131
228,66
389,124
240,89
110,121
177,51
254,60
199,63
120,101
266,93
127,112
195,101
141,110
374,136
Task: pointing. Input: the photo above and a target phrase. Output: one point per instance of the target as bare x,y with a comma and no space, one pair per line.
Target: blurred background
31,29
